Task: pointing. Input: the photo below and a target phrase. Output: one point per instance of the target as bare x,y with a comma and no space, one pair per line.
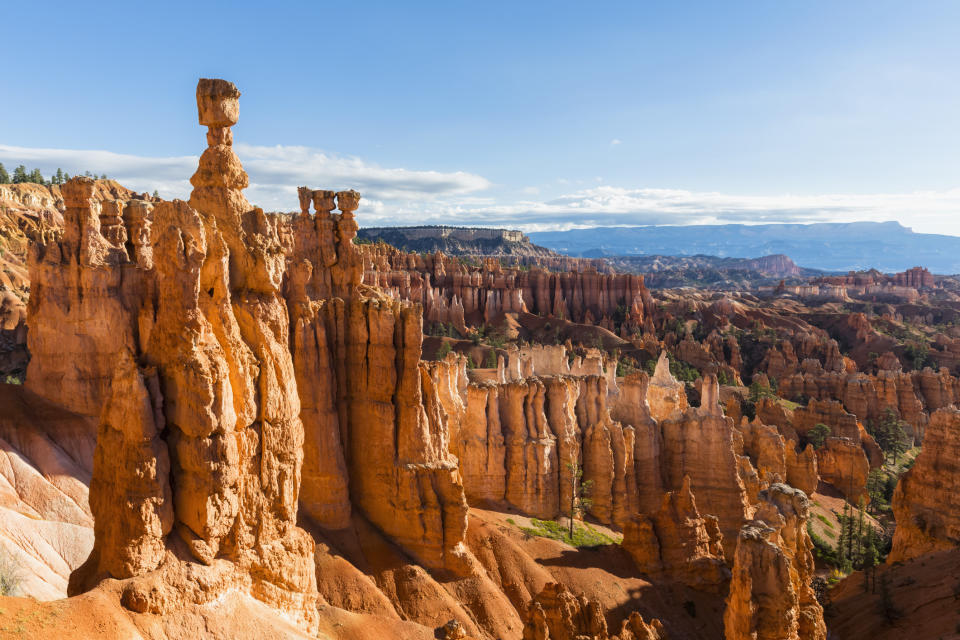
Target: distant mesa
475,241
853,246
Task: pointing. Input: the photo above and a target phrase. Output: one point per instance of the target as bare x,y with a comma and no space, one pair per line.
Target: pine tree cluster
21,176
890,435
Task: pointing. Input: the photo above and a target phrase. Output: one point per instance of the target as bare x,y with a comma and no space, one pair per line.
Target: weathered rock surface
521,442
556,614
926,503
678,543
700,443
452,292
770,595
46,457
666,396
842,463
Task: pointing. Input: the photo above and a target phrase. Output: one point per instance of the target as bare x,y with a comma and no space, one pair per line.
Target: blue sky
539,115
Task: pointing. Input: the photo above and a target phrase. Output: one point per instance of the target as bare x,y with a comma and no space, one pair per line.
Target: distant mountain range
886,246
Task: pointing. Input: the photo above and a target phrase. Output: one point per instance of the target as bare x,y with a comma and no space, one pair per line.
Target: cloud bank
400,196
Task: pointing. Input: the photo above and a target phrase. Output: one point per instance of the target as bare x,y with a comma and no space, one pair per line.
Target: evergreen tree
818,435
890,435
862,507
66,177
876,489
4,176
58,176
850,535
20,175
842,540
156,194
580,491
36,177
871,558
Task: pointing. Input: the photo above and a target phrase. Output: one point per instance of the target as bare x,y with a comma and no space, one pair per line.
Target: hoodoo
258,425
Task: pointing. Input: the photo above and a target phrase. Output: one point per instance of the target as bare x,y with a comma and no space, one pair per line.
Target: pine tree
818,435
36,177
58,176
876,485
20,175
579,493
4,176
850,535
871,558
890,435
845,542
862,506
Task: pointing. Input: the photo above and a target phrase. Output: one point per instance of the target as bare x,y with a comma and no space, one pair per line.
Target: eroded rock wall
926,502
770,595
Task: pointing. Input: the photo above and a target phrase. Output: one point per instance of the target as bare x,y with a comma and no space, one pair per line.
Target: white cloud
615,142
275,173
169,175
926,211
404,196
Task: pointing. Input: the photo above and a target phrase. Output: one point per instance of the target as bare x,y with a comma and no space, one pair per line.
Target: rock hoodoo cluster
266,424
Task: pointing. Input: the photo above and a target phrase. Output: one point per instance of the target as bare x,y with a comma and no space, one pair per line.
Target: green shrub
9,575
821,549
444,349
583,536
818,435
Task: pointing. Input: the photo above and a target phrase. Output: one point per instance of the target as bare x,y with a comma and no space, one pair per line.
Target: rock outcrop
453,292
521,442
770,595
666,396
677,543
926,502
842,463
700,443
556,614
219,351
46,457
200,446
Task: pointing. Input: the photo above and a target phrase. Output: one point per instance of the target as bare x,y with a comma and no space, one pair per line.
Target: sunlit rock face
926,503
